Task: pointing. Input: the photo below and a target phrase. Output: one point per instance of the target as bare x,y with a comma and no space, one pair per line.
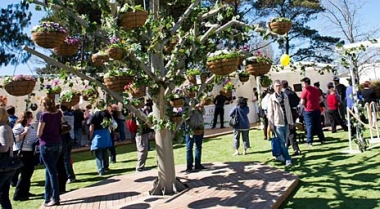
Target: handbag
65,128
276,147
234,119
8,162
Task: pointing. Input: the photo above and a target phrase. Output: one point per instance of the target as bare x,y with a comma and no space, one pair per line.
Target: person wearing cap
311,98
341,90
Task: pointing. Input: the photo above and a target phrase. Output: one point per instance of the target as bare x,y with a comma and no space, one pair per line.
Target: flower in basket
191,88
193,72
222,54
10,79
243,73
66,96
177,93
49,89
119,72
279,19
177,111
72,41
89,92
3,101
265,81
130,8
46,26
258,58
115,42
228,86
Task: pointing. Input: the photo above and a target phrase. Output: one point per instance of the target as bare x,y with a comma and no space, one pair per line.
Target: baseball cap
336,79
306,79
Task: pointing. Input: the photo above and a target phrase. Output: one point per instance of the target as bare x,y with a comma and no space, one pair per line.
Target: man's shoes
188,171
309,144
280,158
141,169
201,167
51,203
288,163
236,153
71,181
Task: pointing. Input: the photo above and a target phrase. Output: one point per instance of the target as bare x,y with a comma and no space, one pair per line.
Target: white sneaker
280,158
288,163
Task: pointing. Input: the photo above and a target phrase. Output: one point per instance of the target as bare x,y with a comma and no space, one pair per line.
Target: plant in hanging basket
89,94
243,76
138,103
223,62
116,48
52,90
117,79
132,17
228,87
69,47
49,34
99,58
280,25
177,115
191,75
69,98
19,85
207,100
265,81
137,88
190,90
176,98
258,65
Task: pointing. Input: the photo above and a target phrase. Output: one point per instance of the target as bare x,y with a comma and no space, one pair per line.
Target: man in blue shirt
12,118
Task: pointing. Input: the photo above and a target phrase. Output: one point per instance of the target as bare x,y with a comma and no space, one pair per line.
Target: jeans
50,154
198,139
121,127
5,183
67,161
78,137
101,159
313,125
245,137
282,132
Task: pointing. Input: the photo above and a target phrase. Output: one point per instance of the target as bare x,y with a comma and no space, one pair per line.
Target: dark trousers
335,119
219,111
265,130
5,183
313,125
23,183
291,138
62,175
189,151
112,149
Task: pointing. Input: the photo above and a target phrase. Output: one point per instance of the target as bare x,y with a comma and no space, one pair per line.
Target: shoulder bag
234,118
8,162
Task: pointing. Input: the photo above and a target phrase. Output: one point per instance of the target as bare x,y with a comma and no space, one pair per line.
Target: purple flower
114,40
48,86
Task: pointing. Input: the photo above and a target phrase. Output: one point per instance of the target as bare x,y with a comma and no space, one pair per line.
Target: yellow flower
123,41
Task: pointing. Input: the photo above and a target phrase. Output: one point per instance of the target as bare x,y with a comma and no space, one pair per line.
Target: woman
6,142
242,126
25,136
100,136
280,118
49,136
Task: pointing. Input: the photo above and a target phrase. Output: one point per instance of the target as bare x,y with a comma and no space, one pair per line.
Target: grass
328,178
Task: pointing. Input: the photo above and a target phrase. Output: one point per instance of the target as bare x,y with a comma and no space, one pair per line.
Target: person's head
367,84
254,89
221,92
270,89
336,80
242,102
76,107
11,110
305,81
277,86
285,84
3,116
316,84
48,104
25,118
88,107
64,108
330,85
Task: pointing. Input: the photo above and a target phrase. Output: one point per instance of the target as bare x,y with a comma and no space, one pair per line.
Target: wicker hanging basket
258,69
207,101
243,78
223,66
117,84
133,19
74,100
176,119
139,92
66,49
89,96
280,27
190,94
192,79
228,93
177,103
115,53
199,132
20,88
48,40
99,60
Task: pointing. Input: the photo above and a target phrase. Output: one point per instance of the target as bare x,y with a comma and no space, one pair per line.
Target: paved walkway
222,185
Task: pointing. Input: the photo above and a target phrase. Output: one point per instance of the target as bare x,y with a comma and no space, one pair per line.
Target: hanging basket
48,40
115,53
66,49
139,92
20,88
99,60
133,19
243,78
176,119
52,95
206,102
223,66
258,69
199,132
177,103
192,79
74,100
280,27
228,93
89,96
190,94
117,84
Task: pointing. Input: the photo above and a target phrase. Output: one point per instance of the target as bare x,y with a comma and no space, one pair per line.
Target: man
294,101
255,103
341,89
12,118
78,125
219,102
311,98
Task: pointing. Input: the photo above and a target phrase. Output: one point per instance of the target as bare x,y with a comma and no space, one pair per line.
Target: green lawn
328,178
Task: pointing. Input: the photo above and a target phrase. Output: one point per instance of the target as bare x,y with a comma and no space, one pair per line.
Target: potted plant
176,98
280,25
132,16
69,98
116,48
190,90
137,88
258,65
49,34
68,48
223,62
228,87
99,58
138,103
19,85
191,75
177,115
243,76
265,81
116,79
52,90
89,94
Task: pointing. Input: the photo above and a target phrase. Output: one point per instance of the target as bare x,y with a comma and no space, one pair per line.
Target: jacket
275,113
242,117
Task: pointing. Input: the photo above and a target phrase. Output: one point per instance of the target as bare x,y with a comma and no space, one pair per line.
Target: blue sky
369,16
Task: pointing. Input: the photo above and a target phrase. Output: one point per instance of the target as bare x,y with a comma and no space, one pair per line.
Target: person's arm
303,96
20,132
4,139
40,129
91,131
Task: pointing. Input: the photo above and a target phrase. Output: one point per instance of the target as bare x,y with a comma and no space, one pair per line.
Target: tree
302,43
14,18
191,31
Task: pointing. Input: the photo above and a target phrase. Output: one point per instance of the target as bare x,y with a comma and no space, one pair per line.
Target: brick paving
223,185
